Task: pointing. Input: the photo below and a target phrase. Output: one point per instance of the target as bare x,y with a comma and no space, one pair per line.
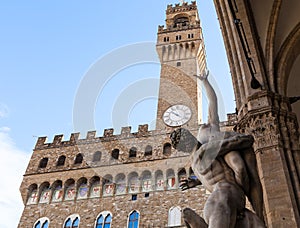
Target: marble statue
224,163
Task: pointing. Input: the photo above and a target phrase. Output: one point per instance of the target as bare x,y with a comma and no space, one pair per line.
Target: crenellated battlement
108,135
181,7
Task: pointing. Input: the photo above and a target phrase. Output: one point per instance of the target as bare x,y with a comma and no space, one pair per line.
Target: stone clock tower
180,47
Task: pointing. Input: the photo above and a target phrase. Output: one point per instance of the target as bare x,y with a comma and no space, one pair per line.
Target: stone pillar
275,131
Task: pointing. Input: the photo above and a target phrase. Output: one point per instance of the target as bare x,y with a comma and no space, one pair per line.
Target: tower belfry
180,47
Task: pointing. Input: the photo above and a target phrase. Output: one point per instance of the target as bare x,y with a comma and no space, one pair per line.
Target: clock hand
176,114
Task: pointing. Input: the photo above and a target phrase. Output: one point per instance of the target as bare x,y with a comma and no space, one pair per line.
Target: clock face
177,115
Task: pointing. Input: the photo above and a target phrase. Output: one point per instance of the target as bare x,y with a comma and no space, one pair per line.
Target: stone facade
153,204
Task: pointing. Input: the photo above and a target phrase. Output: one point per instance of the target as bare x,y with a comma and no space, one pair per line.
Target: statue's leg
250,220
192,219
220,209
236,163
255,194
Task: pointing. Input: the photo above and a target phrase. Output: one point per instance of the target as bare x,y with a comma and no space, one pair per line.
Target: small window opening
97,156
43,163
61,161
132,152
147,194
178,64
167,149
115,153
148,150
134,197
78,159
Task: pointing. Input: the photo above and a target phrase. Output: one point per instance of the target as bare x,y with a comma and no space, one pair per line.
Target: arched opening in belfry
181,21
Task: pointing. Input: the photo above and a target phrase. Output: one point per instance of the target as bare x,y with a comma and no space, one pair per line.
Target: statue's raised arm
213,117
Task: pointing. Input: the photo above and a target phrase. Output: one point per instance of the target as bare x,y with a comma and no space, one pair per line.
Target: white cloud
13,163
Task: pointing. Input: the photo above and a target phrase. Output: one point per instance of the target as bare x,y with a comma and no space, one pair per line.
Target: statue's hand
189,183
183,140
203,76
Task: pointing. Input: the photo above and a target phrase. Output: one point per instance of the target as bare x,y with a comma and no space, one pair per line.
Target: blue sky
48,47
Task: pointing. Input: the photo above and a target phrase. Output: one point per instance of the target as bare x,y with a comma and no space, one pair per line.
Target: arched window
167,149
148,150
133,220
72,221
181,21
132,152
43,163
104,220
78,159
97,156
75,223
174,218
41,223
68,223
61,161
115,154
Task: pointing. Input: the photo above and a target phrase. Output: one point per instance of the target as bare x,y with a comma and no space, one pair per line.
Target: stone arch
82,188
57,191
120,184
107,185
95,188
182,174
44,192
181,20
169,52
70,189
159,180
32,195
146,181
271,34
133,182
171,180
285,59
